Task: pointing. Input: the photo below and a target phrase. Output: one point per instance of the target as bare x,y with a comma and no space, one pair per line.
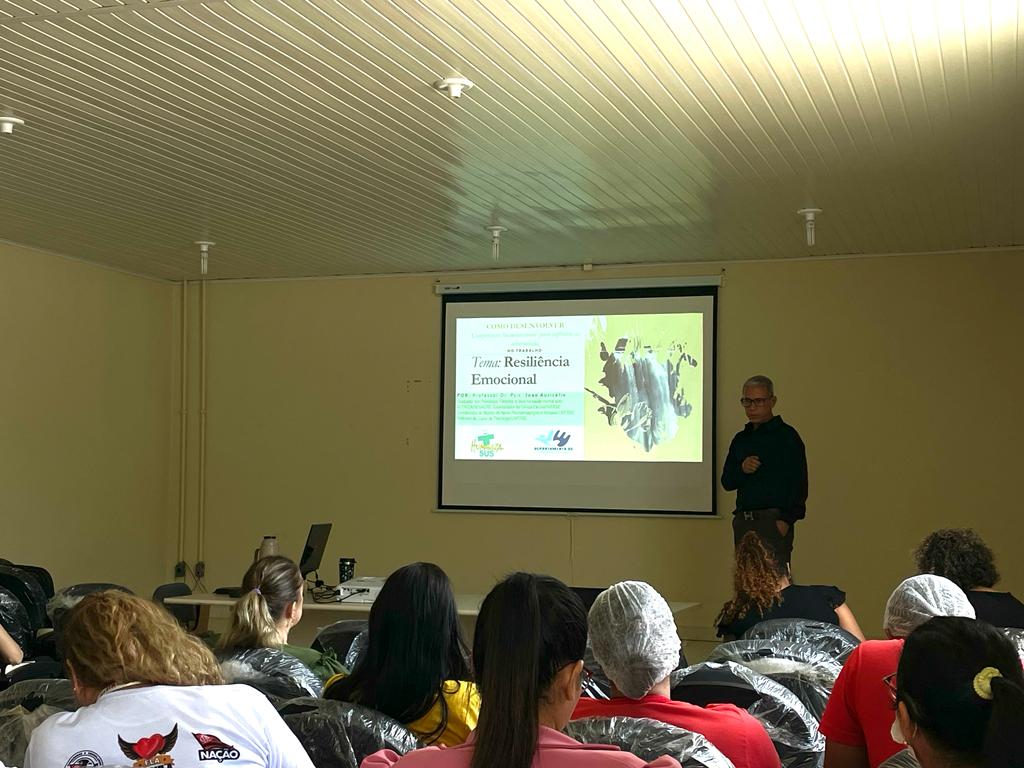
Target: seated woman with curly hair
151,695
763,591
962,556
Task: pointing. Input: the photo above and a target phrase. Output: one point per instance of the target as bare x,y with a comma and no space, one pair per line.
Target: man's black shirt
781,480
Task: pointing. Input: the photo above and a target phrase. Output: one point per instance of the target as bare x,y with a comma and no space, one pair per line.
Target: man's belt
758,514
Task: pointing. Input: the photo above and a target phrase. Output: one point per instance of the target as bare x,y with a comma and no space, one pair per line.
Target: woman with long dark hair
763,591
528,659
414,668
960,696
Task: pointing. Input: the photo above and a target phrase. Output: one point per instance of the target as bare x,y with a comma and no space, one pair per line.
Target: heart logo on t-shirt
149,746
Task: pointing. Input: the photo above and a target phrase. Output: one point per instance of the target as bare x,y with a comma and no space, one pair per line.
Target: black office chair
187,615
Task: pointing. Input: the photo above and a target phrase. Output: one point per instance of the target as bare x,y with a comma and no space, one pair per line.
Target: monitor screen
316,543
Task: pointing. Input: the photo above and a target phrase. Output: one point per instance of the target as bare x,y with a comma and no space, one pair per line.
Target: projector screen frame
691,287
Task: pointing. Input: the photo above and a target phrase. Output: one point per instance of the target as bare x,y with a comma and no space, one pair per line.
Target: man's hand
750,465
783,526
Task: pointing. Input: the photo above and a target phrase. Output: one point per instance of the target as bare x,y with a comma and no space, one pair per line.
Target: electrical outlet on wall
200,569
179,569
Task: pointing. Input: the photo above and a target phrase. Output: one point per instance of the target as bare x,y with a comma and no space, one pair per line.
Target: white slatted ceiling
304,138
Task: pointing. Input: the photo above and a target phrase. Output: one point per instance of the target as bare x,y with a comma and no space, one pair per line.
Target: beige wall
323,395
85,419
899,372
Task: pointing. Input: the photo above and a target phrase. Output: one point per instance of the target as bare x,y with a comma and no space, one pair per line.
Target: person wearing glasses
959,696
767,467
858,720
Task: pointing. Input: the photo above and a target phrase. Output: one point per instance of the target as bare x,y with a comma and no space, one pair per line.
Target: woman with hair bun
151,694
763,591
270,605
959,696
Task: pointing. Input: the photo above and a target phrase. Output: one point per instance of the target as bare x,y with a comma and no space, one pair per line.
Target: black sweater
781,480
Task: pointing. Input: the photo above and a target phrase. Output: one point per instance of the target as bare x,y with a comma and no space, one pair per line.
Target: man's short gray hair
761,381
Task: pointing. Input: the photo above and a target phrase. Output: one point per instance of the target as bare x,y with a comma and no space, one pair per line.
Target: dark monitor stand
313,552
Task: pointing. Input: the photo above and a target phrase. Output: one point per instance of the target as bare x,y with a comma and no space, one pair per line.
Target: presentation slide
579,388
588,401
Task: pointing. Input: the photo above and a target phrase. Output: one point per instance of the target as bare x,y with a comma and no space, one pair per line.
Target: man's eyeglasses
746,402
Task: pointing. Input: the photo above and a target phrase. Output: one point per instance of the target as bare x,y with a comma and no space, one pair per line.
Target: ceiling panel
305,138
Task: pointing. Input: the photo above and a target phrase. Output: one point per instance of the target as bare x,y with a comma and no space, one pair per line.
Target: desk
467,605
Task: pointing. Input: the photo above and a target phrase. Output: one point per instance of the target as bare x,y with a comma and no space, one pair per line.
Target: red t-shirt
860,711
735,732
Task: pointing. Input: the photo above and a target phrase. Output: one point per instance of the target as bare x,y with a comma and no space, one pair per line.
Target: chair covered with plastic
14,618
800,634
23,707
271,671
339,636
808,672
187,615
905,758
42,576
1015,636
337,734
25,586
790,725
357,650
67,598
649,739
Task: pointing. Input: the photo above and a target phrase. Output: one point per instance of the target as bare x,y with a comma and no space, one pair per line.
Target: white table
467,605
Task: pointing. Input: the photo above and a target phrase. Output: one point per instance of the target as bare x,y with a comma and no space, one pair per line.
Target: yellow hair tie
983,682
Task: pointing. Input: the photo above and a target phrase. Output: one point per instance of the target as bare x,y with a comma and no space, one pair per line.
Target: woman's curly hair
755,580
960,555
112,638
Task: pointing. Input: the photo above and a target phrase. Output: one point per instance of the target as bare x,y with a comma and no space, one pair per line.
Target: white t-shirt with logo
210,726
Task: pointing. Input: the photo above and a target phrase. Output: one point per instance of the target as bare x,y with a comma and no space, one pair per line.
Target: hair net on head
634,637
920,598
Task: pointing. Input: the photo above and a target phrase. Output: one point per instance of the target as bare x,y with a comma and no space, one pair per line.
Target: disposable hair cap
634,637
920,598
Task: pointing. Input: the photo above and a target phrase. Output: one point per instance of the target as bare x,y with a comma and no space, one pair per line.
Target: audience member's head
960,555
960,695
270,605
414,645
634,637
528,650
921,598
756,578
113,638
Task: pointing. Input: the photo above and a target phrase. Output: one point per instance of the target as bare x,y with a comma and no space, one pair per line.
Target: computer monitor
313,552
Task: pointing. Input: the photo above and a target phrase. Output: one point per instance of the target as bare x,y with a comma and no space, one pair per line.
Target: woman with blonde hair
270,605
763,591
151,694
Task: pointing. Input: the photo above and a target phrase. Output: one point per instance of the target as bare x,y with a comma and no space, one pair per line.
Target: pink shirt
554,750
736,733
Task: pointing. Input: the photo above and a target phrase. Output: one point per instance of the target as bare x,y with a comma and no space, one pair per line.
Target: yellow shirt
463,702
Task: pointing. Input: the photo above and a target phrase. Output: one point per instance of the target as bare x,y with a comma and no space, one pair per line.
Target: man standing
767,466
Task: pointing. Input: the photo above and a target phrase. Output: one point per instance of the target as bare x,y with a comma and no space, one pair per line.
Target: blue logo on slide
554,439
